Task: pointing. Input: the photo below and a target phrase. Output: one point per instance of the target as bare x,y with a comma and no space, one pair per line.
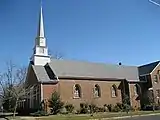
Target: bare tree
12,82
56,55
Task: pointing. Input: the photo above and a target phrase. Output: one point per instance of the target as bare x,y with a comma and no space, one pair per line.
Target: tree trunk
15,108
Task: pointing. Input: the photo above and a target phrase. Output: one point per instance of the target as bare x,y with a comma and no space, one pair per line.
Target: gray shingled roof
41,73
69,68
148,68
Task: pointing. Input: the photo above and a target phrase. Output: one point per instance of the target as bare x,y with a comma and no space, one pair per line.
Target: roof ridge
92,62
149,63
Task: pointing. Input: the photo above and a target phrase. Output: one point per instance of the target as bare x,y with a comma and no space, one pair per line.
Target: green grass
95,116
85,116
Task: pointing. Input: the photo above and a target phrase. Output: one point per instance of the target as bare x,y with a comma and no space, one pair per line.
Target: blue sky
108,31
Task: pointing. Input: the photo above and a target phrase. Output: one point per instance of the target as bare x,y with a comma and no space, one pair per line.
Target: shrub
55,103
93,108
110,107
126,103
106,108
39,113
69,108
101,109
126,108
75,111
78,112
63,111
84,108
120,105
116,108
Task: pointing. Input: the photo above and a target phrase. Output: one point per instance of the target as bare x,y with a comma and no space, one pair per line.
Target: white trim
155,68
153,2
150,88
144,75
130,95
41,92
57,78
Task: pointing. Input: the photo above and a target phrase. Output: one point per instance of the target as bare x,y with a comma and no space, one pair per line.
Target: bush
150,107
75,111
63,111
113,108
69,108
93,108
55,103
116,108
106,108
110,106
84,108
120,105
39,113
126,108
101,109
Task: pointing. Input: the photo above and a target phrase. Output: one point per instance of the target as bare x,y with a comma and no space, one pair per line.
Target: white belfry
40,51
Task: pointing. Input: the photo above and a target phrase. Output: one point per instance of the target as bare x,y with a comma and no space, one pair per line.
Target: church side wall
65,88
87,86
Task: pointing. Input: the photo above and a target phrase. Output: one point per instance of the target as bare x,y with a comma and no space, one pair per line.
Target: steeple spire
40,32
40,39
40,52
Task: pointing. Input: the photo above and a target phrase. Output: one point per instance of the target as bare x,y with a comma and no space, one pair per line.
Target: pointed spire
40,32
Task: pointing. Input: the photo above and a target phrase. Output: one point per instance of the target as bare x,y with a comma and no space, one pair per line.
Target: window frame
155,78
79,91
114,87
96,86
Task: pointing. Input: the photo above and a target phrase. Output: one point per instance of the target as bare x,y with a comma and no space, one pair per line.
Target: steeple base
40,60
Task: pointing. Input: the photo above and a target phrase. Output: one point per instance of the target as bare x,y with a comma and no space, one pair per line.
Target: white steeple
40,52
40,39
40,32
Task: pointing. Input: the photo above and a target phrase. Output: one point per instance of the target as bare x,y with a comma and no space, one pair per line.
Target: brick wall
48,89
135,102
87,86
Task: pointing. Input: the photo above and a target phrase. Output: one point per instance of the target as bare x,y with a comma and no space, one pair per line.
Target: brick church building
78,81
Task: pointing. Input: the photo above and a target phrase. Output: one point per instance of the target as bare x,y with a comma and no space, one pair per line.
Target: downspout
41,91
58,84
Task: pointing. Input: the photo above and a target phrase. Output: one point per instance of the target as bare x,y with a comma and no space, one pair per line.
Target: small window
155,79
114,91
97,92
143,78
76,91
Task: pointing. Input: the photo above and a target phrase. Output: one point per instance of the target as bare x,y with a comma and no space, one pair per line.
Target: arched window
137,89
155,78
114,91
97,92
77,91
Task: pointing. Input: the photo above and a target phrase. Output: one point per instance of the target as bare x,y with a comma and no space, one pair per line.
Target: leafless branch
56,55
12,82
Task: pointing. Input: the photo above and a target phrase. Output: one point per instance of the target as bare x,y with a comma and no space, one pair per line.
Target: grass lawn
95,116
